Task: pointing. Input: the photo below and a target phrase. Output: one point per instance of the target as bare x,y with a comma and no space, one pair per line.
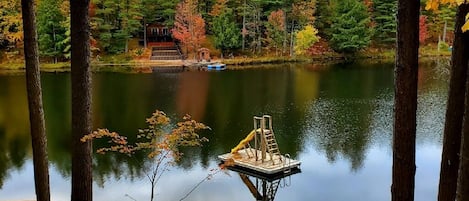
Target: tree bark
36,111
463,179
285,32
292,32
144,33
405,105
243,32
454,113
81,101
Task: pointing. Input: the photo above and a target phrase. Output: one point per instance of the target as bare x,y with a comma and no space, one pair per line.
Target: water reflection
334,116
14,125
264,187
340,119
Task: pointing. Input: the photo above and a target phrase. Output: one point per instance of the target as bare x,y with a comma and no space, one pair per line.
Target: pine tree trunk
405,105
463,179
81,101
36,111
126,48
285,33
244,27
144,33
291,37
258,30
454,113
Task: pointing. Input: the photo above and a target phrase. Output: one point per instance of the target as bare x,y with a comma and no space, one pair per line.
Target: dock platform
269,166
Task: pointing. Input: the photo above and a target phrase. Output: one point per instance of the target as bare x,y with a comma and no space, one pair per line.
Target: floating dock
263,157
270,166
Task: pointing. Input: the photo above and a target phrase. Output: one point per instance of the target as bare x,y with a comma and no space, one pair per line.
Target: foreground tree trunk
463,179
405,104
81,101
454,113
36,111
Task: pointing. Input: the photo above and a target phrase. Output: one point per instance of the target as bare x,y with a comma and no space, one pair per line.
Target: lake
336,119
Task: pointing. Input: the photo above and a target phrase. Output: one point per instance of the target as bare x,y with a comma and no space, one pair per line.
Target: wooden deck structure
264,157
270,166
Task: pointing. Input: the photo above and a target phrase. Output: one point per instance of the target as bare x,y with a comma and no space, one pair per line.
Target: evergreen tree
227,33
130,20
384,16
51,29
323,18
82,163
163,11
350,28
115,22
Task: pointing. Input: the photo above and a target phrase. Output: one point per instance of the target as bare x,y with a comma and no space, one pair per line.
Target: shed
203,54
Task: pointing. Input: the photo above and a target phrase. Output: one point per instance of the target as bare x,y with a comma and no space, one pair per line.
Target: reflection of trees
123,101
236,96
191,96
114,165
433,92
344,129
57,110
341,118
14,125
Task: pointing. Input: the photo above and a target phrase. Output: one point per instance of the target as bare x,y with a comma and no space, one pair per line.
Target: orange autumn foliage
434,4
189,26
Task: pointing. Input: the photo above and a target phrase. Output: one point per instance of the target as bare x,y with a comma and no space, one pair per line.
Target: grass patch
21,66
260,60
115,59
431,50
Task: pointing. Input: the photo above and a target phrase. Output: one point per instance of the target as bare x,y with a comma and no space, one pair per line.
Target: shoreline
147,66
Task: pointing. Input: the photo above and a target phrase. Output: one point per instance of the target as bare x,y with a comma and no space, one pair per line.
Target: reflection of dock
274,165
264,187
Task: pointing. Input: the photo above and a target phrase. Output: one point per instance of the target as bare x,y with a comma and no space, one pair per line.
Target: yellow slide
244,142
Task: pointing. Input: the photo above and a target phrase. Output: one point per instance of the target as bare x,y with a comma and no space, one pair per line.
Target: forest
229,27
265,28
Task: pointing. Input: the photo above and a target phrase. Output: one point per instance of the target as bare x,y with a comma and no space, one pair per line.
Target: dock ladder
268,143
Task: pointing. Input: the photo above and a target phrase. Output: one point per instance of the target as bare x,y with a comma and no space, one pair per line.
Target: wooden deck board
281,163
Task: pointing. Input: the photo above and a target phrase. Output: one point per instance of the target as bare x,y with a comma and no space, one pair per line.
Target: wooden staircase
168,51
271,144
268,144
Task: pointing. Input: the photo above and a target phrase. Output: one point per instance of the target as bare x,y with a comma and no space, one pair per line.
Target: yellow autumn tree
11,25
434,4
305,39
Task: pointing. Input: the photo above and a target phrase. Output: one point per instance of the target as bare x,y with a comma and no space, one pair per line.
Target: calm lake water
336,119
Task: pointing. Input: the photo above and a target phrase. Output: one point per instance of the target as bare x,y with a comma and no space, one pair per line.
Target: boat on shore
216,66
